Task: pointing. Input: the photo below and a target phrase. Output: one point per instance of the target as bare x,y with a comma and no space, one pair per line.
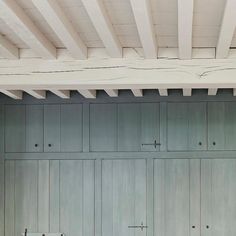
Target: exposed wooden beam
112,92
227,29
15,94
7,49
163,92
61,93
212,91
103,26
185,23
23,26
137,92
64,29
187,92
39,94
143,17
87,93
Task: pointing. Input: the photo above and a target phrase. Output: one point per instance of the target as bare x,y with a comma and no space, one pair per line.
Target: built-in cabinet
43,128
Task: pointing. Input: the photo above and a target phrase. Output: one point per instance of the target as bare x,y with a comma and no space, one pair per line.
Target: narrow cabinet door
71,128
34,128
218,191
176,197
222,126
52,133
150,127
15,128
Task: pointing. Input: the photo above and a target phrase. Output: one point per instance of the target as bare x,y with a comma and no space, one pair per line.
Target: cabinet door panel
150,126
52,133
71,128
187,124
222,126
218,190
34,128
177,126
103,127
123,197
129,127
175,200
197,131
15,128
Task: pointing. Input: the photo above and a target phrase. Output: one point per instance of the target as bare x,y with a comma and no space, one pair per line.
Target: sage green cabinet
222,125
71,128
15,132
52,132
125,127
34,128
187,126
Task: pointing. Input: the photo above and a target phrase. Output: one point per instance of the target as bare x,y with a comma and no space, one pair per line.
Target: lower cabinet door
218,197
124,198
176,197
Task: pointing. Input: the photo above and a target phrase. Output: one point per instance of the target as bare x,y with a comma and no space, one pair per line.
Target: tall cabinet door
222,126
176,197
218,201
123,197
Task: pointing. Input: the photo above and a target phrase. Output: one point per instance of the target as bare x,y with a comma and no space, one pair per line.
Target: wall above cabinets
119,128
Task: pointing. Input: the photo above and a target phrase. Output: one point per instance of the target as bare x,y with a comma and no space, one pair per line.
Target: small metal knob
214,143
200,143
49,144
207,226
36,145
193,226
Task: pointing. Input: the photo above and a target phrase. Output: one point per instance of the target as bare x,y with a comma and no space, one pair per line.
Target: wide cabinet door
176,197
124,198
218,197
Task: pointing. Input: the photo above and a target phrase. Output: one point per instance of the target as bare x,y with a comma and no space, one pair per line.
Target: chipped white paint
87,93
163,92
15,94
112,92
187,92
61,93
212,91
137,92
39,94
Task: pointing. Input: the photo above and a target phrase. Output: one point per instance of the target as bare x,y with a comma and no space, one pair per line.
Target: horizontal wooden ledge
120,155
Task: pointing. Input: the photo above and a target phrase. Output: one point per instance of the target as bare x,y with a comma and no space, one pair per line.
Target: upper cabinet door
103,127
71,128
222,126
187,124
52,132
15,128
34,128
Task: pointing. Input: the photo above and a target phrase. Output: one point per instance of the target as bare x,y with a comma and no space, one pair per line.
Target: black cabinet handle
207,226
36,145
200,143
49,144
214,143
193,226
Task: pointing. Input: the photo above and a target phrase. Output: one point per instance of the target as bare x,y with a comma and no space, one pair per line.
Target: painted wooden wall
91,168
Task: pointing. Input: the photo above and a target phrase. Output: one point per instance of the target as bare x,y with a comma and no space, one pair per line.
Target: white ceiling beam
212,91
227,29
187,92
163,92
61,25
143,17
185,25
137,92
61,93
39,94
103,26
23,26
112,92
15,94
87,93
7,49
